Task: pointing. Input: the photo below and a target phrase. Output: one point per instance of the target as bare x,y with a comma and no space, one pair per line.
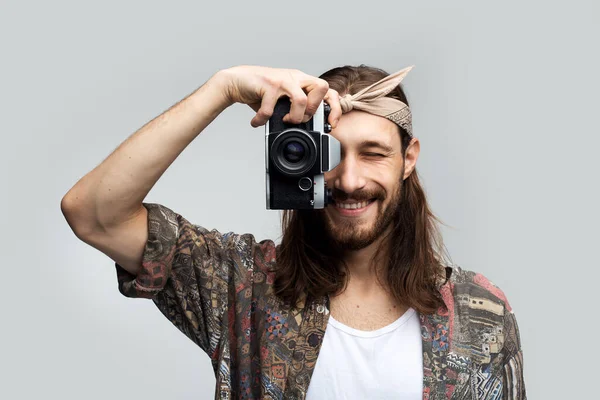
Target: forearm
113,191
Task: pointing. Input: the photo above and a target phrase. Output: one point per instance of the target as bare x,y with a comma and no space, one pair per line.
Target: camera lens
293,152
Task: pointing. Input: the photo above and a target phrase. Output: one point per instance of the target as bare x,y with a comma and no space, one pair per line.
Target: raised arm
104,209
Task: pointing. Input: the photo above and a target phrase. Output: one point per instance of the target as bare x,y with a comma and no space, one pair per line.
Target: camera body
296,158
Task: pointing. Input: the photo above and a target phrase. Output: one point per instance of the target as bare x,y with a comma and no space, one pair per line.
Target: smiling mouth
354,205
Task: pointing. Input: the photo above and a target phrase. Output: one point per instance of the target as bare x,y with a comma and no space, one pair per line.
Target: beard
353,235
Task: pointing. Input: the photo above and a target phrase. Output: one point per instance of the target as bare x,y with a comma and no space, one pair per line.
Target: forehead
358,128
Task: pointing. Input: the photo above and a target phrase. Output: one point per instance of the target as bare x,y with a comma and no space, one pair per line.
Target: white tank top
383,364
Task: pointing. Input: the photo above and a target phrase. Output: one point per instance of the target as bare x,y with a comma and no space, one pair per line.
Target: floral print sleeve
188,272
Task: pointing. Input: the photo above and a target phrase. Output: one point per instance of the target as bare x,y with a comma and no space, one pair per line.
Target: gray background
504,98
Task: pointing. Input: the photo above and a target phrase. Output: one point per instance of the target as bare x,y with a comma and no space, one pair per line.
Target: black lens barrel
294,152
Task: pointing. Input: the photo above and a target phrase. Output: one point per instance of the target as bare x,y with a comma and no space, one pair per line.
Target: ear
411,156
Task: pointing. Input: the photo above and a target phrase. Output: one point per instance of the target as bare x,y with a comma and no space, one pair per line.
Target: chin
352,235
355,243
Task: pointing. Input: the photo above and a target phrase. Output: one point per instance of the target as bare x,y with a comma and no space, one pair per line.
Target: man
357,300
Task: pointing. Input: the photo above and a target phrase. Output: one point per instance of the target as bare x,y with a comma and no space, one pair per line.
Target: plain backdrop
505,102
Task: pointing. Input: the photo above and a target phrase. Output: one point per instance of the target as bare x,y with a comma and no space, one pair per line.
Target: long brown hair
309,263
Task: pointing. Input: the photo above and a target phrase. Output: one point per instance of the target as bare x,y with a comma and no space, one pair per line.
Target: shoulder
172,234
477,288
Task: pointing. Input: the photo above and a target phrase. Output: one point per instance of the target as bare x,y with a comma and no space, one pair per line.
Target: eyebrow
373,143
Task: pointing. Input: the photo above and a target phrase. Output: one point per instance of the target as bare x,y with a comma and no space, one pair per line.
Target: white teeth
352,206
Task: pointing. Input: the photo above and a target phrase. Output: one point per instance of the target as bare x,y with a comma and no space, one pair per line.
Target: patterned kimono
217,289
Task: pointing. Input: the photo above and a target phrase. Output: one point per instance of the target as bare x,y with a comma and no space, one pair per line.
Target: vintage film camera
296,156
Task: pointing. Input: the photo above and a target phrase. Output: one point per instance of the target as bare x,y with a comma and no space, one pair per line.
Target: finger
267,105
298,99
316,91
333,99
255,106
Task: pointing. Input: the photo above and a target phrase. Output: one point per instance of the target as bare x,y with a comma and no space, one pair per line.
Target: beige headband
372,100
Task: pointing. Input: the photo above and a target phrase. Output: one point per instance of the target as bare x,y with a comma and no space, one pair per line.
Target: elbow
80,223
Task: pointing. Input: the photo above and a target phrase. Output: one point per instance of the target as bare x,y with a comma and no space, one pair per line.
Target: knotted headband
373,100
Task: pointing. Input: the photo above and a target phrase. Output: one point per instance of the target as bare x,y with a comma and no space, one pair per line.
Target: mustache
358,195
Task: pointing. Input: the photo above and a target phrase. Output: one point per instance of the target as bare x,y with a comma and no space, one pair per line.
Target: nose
347,176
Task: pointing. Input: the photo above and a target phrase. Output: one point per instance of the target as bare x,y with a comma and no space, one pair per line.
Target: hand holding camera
298,147
261,88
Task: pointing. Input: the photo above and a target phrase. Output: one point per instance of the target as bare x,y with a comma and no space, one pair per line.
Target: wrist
220,84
